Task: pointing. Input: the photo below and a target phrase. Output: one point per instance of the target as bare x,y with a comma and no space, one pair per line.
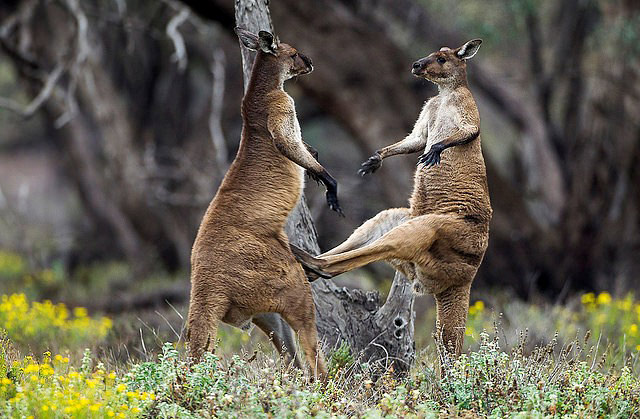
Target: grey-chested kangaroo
241,263
440,240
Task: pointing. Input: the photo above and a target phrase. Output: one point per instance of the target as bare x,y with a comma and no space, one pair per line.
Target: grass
487,382
493,379
588,368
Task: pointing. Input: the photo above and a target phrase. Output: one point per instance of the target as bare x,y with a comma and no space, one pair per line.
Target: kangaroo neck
265,77
448,86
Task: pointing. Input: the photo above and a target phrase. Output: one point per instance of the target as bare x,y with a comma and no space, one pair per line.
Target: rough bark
379,334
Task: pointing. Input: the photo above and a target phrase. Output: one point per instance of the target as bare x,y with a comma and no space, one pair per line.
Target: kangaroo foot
310,264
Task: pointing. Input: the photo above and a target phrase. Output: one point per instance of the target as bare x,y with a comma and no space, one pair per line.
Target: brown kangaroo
241,263
440,240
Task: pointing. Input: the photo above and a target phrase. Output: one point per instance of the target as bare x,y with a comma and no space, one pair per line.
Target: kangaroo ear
248,39
469,49
267,42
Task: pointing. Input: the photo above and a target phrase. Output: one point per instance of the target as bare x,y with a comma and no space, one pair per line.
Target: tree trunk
379,334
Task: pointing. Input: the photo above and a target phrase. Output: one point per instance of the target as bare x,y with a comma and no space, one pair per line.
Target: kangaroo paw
372,164
332,201
432,157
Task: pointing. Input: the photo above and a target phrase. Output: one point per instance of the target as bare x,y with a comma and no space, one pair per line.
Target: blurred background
119,118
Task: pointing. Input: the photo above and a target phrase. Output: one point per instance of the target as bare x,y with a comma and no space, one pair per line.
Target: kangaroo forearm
460,138
311,150
432,156
407,146
411,144
298,153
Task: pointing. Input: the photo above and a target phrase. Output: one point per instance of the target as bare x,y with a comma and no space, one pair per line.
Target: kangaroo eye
441,60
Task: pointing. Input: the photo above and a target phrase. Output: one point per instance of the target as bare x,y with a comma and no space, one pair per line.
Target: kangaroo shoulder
464,101
279,101
281,113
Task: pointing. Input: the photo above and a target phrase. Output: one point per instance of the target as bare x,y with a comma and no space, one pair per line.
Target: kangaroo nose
306,60
417,65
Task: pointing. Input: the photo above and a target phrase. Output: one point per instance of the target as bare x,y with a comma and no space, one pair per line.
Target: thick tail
311,265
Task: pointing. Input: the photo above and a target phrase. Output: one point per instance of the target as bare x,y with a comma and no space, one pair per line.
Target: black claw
332,201
432,157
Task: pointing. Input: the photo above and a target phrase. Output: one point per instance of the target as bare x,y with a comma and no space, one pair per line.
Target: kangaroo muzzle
307,62
418,66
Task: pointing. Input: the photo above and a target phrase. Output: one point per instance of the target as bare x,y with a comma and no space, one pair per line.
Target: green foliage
493,379
488,382
496,383
341,359
12,265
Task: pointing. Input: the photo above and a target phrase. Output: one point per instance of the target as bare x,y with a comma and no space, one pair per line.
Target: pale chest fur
444,114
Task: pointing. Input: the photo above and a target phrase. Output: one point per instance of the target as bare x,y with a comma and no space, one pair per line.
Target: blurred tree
128,117
123,117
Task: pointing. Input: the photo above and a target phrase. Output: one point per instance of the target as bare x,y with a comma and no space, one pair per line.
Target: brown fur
241,261
440,240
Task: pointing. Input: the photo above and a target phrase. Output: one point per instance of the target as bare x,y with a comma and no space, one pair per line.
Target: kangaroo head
288,60
446,66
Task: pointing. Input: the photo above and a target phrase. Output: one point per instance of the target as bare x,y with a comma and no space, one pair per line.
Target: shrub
44,325
614,321
12,265
54,389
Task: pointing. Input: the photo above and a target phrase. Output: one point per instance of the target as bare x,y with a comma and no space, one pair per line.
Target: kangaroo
440,240
241,263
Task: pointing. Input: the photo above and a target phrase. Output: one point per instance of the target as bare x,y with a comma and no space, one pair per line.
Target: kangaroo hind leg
203,327
368,232
305,325
372,230
452,307
409,241
274,326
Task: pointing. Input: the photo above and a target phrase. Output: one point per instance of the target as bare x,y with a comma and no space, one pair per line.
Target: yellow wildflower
31,368
588,298
604,298
80,312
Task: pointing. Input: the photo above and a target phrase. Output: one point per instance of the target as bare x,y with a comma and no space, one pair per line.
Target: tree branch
180,55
